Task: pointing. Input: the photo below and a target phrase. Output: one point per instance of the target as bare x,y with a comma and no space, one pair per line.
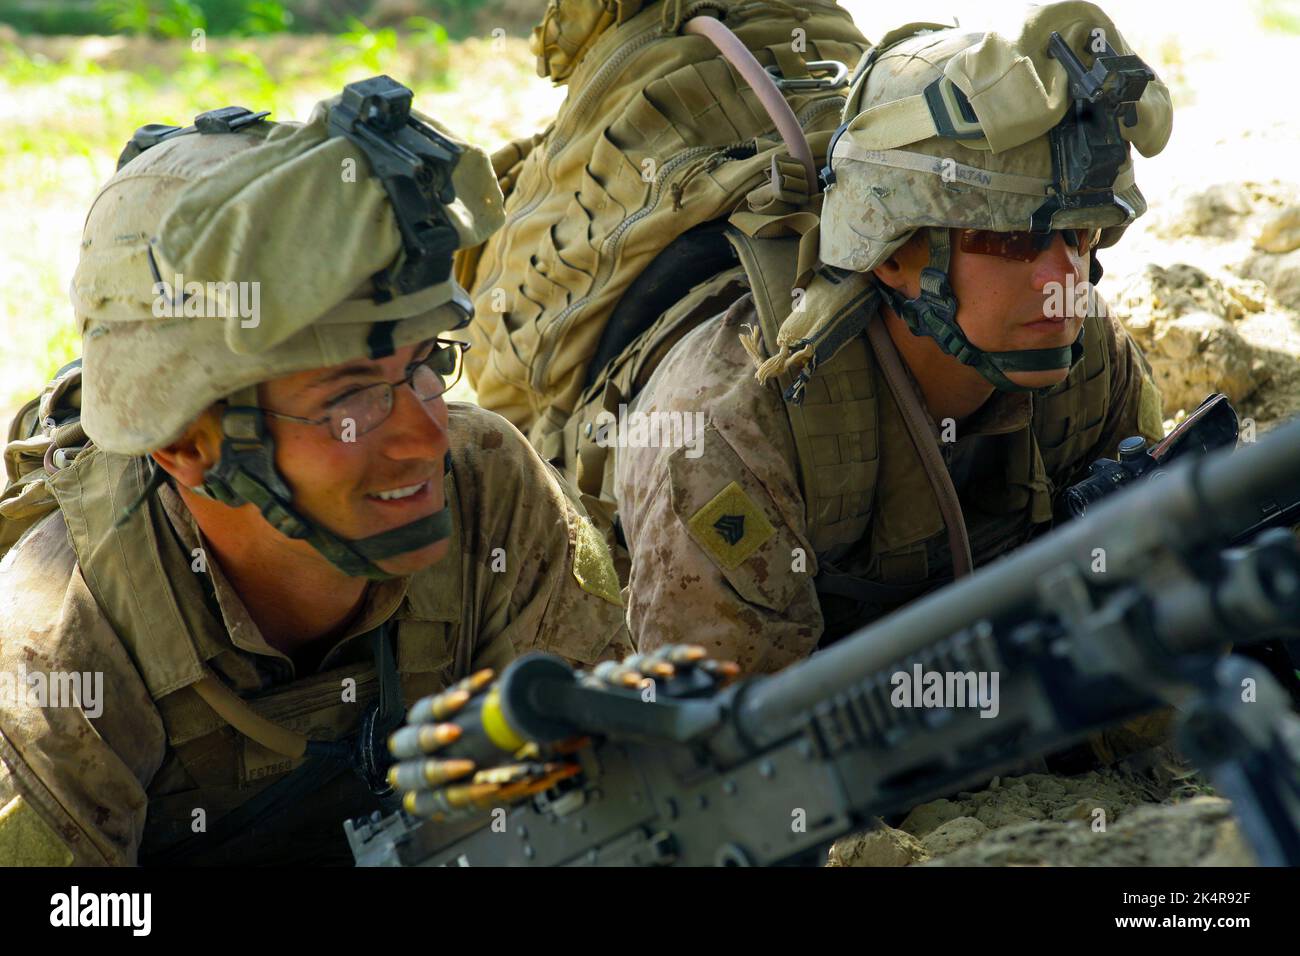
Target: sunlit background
77,77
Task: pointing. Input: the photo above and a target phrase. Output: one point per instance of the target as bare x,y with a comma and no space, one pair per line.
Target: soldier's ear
197,450
902,270
892,274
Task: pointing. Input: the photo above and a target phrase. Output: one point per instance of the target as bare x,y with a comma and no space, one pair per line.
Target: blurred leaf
265,16
160,18
1282,16
430,31
128,16
366,48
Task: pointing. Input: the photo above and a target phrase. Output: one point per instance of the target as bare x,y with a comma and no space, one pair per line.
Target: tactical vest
836,428
142,579
836,425
657,137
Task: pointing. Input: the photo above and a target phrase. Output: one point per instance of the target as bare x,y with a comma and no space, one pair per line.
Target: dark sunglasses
1022,245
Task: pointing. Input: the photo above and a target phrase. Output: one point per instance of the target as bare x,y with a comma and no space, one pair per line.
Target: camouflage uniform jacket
718,535
90,783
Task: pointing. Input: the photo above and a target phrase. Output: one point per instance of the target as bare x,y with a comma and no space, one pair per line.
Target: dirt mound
1218,331
1159,816
1223,211
1185,320
1196,832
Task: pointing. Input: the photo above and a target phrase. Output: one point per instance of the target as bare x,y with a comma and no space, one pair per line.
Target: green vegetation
69,104
1279,16
179,18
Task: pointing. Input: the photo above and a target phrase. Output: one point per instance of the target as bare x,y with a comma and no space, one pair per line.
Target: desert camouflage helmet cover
894,174
272,205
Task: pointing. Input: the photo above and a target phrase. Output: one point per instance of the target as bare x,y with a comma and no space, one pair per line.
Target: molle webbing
835,424
657,136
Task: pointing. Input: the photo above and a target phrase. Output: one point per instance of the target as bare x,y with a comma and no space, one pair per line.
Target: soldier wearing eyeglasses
262,537
910,401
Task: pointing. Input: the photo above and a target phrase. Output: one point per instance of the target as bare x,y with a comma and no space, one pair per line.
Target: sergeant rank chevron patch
731,527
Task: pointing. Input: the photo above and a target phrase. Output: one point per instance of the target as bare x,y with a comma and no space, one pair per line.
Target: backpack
45,436
615,211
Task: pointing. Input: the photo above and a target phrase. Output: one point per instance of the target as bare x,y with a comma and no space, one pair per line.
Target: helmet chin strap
933,313
246,474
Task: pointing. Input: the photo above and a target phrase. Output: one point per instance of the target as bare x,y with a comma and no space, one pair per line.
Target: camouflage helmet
950,128
236,251
282,216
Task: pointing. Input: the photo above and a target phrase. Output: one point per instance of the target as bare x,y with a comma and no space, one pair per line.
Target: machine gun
1212,425
1108,617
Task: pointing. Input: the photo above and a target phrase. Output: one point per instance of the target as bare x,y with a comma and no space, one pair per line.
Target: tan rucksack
45,436
615,211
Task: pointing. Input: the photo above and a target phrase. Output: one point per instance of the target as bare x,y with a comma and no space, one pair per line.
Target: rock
1184,320
883,846
1084,809
997,813
1216,211
955,833
1280,273
1188,833
1229,848
1159,294
1227,211
930,816
1198,354
1279,232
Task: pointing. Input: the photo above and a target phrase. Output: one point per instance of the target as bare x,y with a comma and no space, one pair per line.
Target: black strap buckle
228,119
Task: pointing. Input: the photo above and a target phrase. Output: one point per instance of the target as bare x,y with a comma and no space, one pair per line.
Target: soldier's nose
1057,263
415,428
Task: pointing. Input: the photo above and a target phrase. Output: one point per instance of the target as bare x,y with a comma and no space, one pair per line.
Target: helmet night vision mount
1088,147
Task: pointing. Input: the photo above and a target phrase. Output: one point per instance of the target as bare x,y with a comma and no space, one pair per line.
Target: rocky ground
1228,325
1110,817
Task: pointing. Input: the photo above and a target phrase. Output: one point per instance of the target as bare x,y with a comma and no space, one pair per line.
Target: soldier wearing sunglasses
913,403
